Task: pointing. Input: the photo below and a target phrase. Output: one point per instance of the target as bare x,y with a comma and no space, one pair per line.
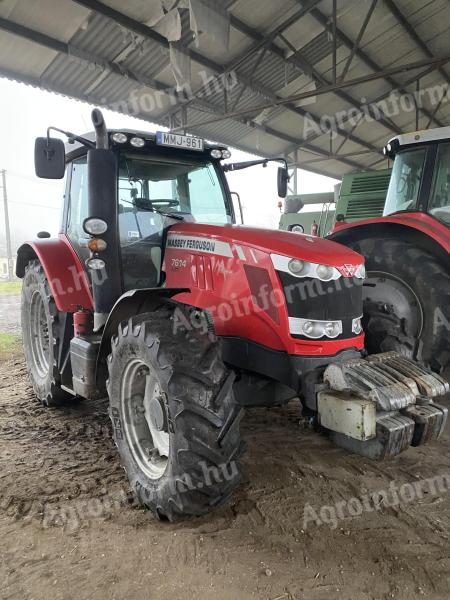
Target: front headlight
325,273
296,266
302,268
315,329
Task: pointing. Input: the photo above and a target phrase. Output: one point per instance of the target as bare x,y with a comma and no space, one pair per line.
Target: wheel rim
387,290
144,417
39,335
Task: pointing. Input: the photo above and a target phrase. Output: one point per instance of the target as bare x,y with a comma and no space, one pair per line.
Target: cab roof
73,149
422,137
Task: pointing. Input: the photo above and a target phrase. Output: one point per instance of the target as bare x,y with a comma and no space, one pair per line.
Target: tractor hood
271,241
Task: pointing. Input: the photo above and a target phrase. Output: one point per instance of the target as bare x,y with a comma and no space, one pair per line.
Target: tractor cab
156,185
157,181
420,179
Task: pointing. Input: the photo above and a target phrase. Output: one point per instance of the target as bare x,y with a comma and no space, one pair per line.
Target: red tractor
152,296
407,290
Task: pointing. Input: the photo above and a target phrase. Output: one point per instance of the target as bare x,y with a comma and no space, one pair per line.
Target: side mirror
49,158
282,181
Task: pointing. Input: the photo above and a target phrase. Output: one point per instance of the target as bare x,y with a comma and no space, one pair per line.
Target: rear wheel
406,301
40,336
175,420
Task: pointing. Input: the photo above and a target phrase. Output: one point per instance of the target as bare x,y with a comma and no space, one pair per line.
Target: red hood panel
312,249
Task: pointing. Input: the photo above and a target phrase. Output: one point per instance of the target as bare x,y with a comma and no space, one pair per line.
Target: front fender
134,302
63,269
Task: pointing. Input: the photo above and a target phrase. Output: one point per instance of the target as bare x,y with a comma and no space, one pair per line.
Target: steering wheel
146,203
401,184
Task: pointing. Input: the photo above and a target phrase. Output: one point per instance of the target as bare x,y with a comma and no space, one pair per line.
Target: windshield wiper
164,214
153,209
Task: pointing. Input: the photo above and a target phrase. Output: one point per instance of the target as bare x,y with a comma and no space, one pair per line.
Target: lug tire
41,341
429,282
201,470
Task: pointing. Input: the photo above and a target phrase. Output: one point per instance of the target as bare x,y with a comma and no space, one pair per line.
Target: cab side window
78,199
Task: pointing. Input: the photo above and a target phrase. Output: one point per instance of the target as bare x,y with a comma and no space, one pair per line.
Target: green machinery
360,195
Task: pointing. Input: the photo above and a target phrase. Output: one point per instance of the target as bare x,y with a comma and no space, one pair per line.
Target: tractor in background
407,289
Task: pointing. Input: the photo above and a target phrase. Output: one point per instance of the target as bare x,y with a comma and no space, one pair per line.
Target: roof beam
331,88
413,34
301,63
147,32
64,48
144,31
323,20
266,40
358,39
385,94
262,41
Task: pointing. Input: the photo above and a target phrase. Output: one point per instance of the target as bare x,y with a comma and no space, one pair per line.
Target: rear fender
130,304
383,228
63,269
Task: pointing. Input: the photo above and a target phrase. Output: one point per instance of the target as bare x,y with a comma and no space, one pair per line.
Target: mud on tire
201,420
39,317
430,284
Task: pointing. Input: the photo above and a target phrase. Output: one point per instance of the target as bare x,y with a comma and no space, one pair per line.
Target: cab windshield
404,185
149,183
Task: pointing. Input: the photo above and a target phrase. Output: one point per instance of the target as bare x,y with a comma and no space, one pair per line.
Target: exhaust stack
102,185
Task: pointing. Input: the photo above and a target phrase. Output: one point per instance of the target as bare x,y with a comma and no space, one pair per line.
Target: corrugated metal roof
277,49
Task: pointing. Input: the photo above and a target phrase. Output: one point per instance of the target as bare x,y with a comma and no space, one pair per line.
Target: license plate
179,141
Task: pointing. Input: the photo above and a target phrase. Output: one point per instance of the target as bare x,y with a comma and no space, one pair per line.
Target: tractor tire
39,317
406,301
175,420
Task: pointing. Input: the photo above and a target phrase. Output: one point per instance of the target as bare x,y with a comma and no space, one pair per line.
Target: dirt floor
68,530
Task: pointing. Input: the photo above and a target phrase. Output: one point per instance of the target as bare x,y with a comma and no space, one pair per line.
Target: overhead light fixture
119,138
137,142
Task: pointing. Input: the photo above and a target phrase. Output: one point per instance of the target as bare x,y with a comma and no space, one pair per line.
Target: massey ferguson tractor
152,296
407,252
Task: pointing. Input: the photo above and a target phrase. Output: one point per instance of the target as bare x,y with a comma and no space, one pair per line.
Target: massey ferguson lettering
190,244
184,242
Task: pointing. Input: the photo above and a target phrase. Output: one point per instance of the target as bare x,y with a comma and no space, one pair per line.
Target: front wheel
175,420
406,301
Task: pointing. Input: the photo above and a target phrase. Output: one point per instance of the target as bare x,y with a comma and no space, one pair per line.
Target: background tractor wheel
40,336
406,301
175,420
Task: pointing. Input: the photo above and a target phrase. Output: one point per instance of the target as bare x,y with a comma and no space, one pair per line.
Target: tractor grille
339,300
